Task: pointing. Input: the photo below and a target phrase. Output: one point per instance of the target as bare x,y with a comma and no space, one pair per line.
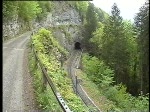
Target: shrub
47,50
97,71
102,76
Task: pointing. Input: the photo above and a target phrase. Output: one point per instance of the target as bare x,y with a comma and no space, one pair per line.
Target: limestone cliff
65,22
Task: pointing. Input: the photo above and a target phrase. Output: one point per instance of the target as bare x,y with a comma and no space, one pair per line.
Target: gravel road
18,93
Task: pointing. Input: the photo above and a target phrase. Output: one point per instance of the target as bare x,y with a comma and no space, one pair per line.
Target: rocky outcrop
68,22
13,27
10,28
62,14
67,36
65,23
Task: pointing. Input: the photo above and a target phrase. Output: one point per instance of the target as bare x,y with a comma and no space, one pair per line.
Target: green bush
46,99
10,9
28,10
102,76
97,71
48,50
126,101
46,6
142,103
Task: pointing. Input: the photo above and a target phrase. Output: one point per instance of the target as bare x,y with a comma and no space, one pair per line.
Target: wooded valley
115,51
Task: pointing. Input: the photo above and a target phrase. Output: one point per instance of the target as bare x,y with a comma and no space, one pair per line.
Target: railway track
74,62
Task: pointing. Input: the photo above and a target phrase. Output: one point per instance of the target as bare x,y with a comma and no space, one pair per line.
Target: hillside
95,60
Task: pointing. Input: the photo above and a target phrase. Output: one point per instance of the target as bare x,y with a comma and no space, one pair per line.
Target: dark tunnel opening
77,46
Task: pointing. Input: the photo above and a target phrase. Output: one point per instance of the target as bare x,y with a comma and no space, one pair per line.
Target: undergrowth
102,76
49,53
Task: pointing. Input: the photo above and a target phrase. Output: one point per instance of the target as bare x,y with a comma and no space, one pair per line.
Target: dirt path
18,93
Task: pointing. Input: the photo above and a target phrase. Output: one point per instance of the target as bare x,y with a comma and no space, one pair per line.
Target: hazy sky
128,8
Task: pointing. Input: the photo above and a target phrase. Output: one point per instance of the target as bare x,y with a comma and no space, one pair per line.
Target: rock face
64,21
66,15
68,36
10,28
62,14
13,27
69,22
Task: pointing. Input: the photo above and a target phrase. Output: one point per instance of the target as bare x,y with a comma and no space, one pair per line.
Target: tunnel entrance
77,45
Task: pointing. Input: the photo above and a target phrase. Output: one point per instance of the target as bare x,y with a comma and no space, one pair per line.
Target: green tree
114,48
97,71
10,10
90,26
46,6
91,19
102,15
82,8
28,10
131,37
142,28
96,41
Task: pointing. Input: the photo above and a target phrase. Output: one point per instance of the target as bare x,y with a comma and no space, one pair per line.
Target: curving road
17,83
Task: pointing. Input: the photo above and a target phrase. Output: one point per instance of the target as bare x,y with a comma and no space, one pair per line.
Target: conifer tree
114,49
142,27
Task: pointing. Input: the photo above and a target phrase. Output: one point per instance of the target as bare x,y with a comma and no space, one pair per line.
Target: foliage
133,58
102,76
48,51
102,15
95,18
142,30
82,6
124,59
95,93
97,40
114,48
45,99
10,9
28,10
126,101
46,6
91,20
97,71
45,40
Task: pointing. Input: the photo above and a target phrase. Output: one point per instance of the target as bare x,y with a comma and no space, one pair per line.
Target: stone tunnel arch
77,45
